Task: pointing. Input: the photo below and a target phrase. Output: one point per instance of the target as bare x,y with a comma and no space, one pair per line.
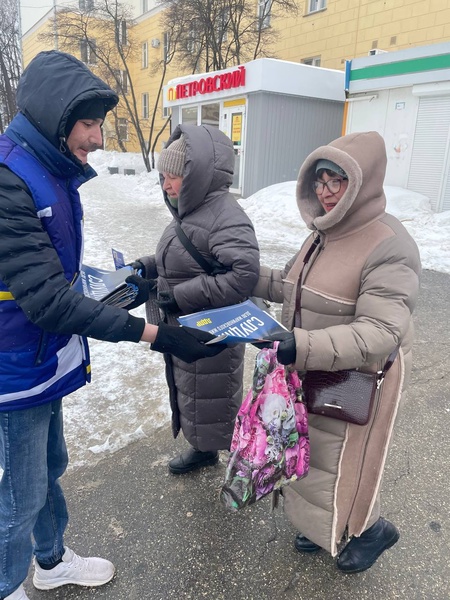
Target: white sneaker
74,569
18,594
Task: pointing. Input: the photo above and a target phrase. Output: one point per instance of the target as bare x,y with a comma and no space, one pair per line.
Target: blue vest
36,366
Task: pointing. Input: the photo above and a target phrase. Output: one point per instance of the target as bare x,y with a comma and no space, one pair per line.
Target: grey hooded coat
206,395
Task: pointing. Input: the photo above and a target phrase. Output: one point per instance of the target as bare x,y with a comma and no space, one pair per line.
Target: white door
233,125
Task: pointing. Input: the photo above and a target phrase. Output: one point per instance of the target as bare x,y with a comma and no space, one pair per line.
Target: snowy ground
128,397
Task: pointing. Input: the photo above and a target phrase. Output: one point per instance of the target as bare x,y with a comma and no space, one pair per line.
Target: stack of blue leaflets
108,287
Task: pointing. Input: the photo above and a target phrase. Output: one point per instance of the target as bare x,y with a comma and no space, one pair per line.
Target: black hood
52,85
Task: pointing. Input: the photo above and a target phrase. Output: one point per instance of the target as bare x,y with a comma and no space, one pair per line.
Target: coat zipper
42,348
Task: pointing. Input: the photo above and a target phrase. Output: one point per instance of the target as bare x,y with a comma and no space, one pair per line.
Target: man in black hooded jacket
44,323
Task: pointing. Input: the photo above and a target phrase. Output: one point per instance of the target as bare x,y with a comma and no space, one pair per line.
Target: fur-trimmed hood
363,158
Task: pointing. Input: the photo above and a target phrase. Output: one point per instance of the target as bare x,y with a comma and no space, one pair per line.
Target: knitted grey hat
330,166
173,158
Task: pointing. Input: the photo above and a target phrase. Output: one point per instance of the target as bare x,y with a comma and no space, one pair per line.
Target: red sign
208,85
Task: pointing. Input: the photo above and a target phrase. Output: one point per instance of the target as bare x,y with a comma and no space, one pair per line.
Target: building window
124,81
315,5
189,114
165,112
222,24
193,44
314,61
166,49
144,6
145,106
86,5
145,55
122,127
121,78
88,51
210,114
121,32
264,13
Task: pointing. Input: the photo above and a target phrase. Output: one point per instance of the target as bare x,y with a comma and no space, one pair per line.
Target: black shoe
191,460
302,544
361,552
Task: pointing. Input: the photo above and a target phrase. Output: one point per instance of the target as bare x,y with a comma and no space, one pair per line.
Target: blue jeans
33,455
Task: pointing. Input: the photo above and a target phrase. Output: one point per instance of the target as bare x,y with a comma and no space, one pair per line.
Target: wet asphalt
169,537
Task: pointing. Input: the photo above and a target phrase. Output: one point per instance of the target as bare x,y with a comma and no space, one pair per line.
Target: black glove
274,337
167,302
148,272
186,343
287,350
138,266
144,286
261,345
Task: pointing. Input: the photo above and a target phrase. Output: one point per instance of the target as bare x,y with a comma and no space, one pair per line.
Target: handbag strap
388,364
211,266
298,307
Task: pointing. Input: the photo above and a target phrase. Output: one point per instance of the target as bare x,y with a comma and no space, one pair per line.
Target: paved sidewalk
170,538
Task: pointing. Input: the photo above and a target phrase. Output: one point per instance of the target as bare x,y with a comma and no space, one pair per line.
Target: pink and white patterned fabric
270,445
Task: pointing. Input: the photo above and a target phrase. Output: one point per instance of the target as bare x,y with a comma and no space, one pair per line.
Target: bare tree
171,44
10,60
102,32
216,34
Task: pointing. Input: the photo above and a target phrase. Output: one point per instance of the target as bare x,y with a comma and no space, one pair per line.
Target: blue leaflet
118,258
238,323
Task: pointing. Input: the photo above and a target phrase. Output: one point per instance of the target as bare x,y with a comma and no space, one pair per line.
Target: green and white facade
405,96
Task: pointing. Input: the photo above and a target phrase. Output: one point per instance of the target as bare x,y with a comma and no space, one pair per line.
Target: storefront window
189,115
210,114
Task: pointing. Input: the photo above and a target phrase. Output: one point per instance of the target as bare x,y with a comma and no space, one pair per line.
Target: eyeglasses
333,186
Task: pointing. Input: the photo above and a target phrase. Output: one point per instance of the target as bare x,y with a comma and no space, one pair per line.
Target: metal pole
19,31
55,26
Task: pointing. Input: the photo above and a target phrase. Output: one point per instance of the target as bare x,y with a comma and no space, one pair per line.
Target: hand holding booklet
238,323
108,287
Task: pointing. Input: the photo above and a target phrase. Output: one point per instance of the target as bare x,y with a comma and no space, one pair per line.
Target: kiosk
275,112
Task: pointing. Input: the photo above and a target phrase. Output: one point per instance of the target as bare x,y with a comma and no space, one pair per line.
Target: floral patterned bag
270,445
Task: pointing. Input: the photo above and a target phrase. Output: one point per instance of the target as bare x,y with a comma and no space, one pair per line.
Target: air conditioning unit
155,43
375,51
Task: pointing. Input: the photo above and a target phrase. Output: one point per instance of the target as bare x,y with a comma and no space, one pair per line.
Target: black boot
302,544
191,460
361,552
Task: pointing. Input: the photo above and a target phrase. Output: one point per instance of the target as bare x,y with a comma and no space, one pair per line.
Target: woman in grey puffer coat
196,173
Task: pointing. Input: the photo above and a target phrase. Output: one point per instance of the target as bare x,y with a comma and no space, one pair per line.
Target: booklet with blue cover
108,287
238,323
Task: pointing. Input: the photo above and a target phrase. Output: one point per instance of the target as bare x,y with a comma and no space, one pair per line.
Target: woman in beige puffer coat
358,291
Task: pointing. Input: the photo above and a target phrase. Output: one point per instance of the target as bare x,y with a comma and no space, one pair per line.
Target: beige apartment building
325,33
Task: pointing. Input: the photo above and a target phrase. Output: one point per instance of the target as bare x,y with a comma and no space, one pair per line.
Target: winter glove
270,339
167,302
149,271
144,287
186,343
287,350
138,266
